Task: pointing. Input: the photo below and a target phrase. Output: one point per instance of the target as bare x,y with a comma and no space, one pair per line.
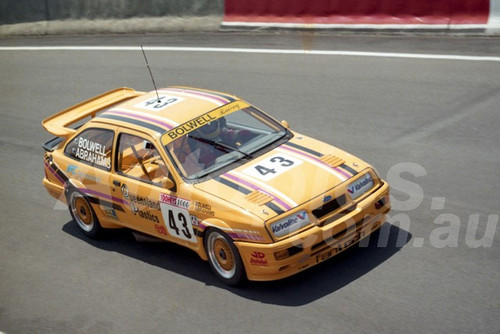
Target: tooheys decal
343,168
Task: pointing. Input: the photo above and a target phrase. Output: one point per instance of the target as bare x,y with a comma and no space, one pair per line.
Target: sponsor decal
124,190
135,200
199,121
144,201
190,126
342,246
204,208
148,216
290,224
195,221
174,200
110,213
80,175
360,186
72,169
258,258
93,152
158,104
161,229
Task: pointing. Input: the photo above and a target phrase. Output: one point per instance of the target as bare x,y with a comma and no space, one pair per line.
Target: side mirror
285,124
167,183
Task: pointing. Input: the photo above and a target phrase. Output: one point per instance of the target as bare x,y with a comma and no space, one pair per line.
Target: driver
206,138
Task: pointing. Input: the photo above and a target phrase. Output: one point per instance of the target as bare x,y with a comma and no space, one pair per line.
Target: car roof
177,105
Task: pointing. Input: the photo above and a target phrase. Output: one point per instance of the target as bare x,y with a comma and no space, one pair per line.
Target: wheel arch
211,223
76,185
224,257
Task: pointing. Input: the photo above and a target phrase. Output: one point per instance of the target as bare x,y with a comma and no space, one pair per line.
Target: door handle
116,183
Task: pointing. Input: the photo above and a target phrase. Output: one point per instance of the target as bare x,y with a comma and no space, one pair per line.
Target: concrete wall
20,11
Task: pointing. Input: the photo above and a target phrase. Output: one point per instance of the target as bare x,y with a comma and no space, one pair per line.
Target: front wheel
83,214
224,257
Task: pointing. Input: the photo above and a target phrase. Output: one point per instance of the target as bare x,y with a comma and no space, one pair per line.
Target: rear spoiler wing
58,124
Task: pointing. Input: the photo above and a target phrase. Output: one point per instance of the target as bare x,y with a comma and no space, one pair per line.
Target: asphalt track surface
429,126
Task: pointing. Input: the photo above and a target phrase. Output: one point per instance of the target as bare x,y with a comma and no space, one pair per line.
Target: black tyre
83,214
223,257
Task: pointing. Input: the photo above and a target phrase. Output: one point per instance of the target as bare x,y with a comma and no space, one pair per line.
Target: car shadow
300,289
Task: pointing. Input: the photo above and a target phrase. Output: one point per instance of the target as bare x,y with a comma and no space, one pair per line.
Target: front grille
329,207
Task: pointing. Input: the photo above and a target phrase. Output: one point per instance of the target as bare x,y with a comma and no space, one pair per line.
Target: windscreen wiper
222,145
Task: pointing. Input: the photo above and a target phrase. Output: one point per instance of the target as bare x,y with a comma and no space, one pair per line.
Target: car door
141,181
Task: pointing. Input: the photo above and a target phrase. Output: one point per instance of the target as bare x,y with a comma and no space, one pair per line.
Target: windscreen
222,141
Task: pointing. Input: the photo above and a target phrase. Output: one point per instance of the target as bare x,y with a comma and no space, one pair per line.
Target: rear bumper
318,243
55,190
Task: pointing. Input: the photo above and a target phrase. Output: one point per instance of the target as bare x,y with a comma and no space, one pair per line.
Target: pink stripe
254,187
96,193
340,171
145,118
246,236
54,172
207,95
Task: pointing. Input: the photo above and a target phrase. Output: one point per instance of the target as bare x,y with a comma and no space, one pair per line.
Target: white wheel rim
221,255
82,212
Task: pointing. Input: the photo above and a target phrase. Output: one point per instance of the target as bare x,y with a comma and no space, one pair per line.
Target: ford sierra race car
211,172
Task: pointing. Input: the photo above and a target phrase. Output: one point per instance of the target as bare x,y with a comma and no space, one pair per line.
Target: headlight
290,224
360,186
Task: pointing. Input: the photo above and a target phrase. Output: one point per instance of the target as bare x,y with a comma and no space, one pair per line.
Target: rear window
92,146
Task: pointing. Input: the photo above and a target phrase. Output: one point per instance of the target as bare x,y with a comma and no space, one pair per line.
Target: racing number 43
181,220
263,170
272,166
177,220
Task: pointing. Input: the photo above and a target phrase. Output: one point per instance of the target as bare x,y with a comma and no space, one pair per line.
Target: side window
139,159
92,146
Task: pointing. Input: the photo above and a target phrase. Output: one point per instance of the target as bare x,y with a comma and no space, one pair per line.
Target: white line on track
261,51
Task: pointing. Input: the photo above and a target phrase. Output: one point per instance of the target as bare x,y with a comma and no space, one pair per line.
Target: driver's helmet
211,130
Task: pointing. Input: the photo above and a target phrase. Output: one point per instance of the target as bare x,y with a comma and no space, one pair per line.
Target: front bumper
317,243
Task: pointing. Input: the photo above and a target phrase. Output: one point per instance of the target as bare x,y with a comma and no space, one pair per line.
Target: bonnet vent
258,197
332,160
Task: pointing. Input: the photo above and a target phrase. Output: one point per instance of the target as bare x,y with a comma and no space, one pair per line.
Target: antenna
150,73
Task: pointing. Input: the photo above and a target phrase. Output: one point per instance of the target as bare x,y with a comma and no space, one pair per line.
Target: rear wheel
224,257
83,214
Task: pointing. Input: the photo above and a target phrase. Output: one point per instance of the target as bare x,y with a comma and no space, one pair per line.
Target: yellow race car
211,172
